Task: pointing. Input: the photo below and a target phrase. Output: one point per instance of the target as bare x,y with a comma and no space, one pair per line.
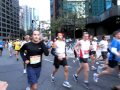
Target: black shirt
32,49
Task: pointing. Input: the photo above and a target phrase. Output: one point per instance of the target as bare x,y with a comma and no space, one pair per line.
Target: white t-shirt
84,48
94,46
10,45
60,46
104,45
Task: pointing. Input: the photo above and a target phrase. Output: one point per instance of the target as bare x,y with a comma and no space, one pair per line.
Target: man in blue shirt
114,57
1,47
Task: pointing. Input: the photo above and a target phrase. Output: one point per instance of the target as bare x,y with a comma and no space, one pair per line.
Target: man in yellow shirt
17,46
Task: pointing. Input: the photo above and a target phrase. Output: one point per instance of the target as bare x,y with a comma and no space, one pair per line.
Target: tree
71,14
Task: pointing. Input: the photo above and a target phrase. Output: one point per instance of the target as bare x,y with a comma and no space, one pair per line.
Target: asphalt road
12,72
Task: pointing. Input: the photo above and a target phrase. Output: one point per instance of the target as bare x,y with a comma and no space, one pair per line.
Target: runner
27,39
10,48
1,47
60,59
83,54
114,57
104,48
75,54
92,53
17,45
33,58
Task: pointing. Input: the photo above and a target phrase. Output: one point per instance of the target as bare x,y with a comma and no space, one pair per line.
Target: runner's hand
27,61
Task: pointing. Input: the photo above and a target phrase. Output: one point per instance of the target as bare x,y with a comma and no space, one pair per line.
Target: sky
42,5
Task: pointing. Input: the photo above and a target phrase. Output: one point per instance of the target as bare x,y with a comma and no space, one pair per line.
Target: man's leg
109,69
66,73
86,71
56,67
93,57
54,71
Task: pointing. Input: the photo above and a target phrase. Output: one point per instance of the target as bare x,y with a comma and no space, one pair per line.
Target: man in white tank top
60,59
83,54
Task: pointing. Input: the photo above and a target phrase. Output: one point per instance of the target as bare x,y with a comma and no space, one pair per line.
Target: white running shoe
97,63
93,68
95,77
66,84
24,71
52,78
28,88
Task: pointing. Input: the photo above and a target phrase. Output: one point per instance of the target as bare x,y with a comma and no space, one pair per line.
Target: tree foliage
70,14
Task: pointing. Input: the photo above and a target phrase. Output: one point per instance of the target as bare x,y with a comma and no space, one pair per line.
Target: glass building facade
28,14
9,19
97,7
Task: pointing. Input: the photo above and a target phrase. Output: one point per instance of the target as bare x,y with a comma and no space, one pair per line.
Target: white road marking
48,60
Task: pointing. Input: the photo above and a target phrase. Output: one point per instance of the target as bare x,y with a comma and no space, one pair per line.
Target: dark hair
103,37
116,32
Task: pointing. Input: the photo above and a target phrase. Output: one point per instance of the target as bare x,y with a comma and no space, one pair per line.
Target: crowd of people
85,50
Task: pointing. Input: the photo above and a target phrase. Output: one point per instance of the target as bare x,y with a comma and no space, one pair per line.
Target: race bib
35,59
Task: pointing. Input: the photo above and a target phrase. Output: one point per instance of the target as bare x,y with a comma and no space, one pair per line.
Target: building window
3,29
3,1
3,20
3,25
3,5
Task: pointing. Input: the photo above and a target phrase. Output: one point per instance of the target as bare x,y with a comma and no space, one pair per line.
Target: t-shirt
104,45
94,46
17,45
34,53
10,45
84,48
114,44
60,46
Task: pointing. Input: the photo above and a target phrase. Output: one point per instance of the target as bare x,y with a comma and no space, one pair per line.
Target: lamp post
34,21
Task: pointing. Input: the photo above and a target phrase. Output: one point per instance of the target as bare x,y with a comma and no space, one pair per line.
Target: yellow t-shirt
17,45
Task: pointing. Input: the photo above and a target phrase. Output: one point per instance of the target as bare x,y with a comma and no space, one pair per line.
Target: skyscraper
9,19
28,15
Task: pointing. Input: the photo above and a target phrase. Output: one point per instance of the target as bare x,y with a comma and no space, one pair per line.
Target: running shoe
24,71
52,78
66,84
86,85
75,77
95,77
93,68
